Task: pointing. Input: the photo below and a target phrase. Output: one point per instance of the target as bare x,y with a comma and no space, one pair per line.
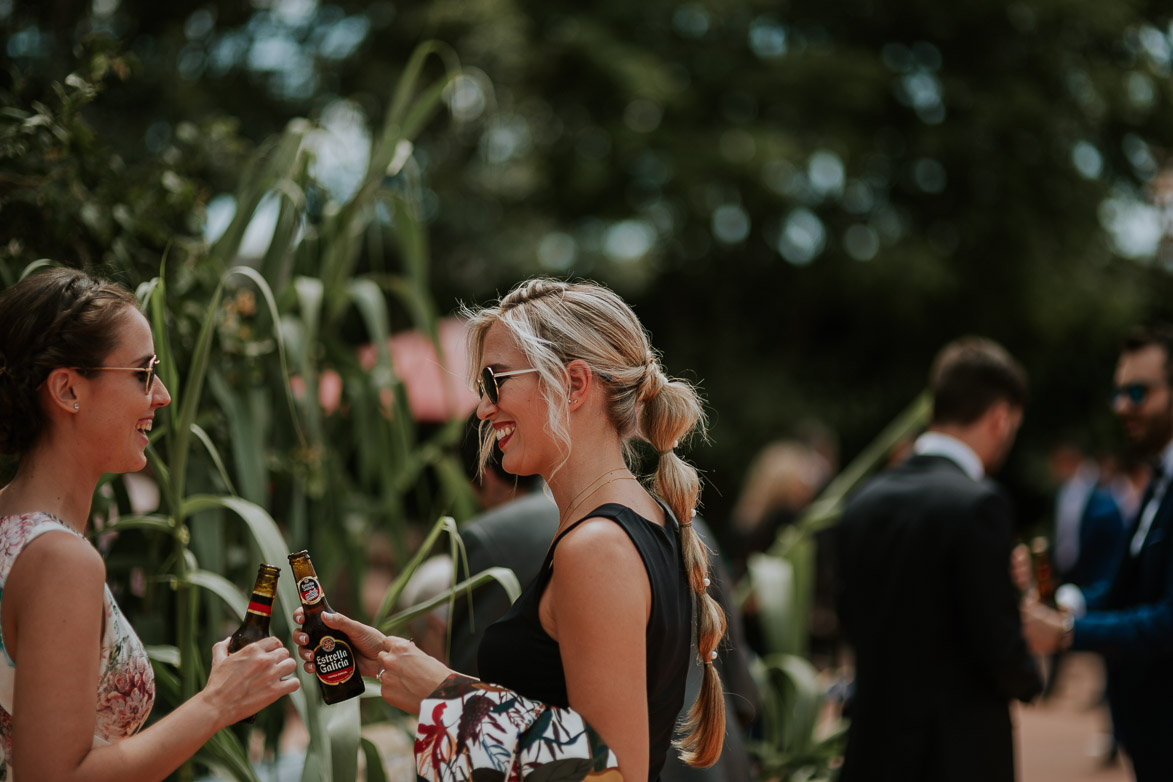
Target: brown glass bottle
334,660
260,610
1040,555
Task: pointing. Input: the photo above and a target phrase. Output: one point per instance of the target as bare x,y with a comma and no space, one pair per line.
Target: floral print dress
126,683
469,730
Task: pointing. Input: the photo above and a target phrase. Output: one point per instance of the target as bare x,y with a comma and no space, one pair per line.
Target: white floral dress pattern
126,682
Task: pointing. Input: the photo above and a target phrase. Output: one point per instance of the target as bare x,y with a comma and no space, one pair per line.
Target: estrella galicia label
310,590
333,661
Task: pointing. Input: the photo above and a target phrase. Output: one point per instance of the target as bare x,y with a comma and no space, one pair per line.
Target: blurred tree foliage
803,199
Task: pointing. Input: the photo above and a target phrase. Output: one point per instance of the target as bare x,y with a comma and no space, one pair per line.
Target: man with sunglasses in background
1128,618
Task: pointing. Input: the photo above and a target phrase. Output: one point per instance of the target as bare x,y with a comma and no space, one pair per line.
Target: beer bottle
260,609
334,660
1040,555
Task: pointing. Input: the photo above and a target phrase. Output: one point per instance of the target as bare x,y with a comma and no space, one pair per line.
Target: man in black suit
925,594
1128,617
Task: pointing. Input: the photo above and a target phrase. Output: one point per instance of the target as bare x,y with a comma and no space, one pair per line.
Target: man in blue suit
1128,618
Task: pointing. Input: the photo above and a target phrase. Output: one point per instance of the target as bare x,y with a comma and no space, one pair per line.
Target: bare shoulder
598,552
65,558
56,582
595,538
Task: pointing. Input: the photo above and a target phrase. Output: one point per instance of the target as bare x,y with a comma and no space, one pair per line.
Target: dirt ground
1064,738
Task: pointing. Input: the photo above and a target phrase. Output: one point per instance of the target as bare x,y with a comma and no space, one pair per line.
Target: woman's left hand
407,675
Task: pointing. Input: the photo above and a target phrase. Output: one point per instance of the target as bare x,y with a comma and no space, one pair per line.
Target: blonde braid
671,411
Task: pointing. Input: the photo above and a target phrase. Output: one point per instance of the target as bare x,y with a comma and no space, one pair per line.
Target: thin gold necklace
585,495
595,484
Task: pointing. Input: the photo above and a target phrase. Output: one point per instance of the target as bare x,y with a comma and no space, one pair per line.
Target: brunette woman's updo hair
554,323
51,319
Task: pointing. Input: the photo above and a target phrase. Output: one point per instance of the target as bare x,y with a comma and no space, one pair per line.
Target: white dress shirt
938,444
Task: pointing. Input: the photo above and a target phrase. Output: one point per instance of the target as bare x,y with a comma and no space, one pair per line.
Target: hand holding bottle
366,640
332,651
241,684
1045,629
406,674
1020,568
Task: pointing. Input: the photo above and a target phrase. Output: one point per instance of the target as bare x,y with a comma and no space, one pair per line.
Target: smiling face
114,409
519,418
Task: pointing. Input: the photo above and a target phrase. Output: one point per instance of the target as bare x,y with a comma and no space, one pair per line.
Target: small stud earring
77,406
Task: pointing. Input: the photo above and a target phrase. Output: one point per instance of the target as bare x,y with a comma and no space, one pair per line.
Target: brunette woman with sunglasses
568,383
78,391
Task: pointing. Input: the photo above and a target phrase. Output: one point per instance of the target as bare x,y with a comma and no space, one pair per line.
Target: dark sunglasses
1136,393
149,369
487,383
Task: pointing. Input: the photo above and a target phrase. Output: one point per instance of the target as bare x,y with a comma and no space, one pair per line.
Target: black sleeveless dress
517,653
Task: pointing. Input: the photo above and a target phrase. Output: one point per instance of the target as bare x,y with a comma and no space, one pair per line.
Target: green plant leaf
275,317
249,419
268,169
374,761
226,754
164,654
164,524
320,753
189,397
213,454
222,588
772,585
804,699
344,725
501,575
442,525
36,265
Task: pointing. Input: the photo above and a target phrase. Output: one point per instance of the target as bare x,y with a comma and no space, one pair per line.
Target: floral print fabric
126,682
472,730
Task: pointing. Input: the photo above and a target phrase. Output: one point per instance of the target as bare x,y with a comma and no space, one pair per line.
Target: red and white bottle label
310,591
334,661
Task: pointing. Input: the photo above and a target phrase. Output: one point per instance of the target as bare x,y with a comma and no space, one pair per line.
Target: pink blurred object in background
436,391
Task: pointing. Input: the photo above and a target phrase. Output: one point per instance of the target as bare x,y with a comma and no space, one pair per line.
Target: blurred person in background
79,390
513,531
1128,617
925,593
783,479
1093,499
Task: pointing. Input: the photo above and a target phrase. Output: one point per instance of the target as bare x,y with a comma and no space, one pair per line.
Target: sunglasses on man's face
1135,393
487,383
150,369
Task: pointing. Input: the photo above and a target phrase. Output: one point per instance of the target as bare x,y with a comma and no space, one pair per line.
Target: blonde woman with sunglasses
79,392
568,383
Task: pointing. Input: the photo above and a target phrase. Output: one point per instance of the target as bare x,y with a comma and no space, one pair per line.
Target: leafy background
802,200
